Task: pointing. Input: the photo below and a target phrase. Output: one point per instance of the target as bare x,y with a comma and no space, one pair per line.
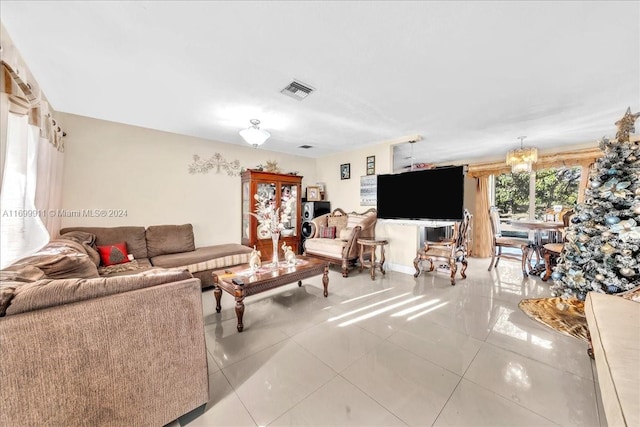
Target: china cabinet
278,188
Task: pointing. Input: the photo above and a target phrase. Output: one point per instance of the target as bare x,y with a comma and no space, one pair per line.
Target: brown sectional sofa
167,246
123,345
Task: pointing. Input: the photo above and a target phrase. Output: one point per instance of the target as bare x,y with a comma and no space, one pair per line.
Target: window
520,196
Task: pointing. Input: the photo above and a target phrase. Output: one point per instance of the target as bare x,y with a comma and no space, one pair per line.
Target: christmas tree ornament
627,272
612,220
612,289
595,184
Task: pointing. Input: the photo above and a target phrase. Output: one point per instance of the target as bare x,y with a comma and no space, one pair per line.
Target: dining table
538,227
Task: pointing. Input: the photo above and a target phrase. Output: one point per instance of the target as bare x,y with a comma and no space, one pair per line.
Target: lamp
522,158
253,134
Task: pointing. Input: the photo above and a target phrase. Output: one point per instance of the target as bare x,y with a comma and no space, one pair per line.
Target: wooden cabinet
278,188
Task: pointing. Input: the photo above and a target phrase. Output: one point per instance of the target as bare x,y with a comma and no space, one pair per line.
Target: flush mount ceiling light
521,159
253,134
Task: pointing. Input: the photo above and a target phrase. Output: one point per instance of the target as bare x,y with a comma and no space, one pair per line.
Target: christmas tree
602,243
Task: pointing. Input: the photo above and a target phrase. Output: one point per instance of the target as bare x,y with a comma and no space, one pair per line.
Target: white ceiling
469,77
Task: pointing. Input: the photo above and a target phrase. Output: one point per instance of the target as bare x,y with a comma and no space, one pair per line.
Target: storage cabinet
278,188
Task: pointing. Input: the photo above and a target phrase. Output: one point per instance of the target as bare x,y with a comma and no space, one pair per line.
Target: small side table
370,244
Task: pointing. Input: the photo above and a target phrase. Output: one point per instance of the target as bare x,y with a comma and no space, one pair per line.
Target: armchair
334,237
452,252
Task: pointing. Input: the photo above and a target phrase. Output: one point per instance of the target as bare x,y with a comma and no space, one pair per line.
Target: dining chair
500,242
451,251
551,251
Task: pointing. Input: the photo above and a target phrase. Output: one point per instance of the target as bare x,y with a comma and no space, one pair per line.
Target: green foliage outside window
554,186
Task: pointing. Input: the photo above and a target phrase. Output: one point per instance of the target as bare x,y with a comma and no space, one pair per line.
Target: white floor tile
472,405
409,351
338,403
562,397
273,380
413,389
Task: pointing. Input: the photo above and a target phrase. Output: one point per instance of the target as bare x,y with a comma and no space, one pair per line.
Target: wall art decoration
216,162
371,165
345,171
368,190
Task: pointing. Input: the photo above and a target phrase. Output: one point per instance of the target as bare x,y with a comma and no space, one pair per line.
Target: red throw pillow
327,232
113,254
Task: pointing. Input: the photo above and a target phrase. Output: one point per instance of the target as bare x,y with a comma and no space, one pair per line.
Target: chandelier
253,134
521,159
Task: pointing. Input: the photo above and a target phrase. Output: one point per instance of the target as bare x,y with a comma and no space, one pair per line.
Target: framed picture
313,194
371,165
345,171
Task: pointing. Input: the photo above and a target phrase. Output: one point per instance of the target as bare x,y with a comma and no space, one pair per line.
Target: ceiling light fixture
521,159
254,135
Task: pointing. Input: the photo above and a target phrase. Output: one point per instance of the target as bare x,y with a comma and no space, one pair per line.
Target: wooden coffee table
264,279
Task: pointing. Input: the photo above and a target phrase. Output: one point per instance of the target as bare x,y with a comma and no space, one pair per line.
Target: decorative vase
275,236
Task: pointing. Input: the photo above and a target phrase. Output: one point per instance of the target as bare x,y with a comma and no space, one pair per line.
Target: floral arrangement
270,217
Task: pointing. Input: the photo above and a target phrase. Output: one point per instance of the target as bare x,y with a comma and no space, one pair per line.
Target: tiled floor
396,351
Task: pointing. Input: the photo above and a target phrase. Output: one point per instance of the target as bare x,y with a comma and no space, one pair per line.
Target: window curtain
31,162
21,229
482,240
481,246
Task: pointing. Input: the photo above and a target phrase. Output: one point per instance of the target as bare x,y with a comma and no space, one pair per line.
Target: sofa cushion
206,258
346,233
337,221
7,291
21,273
48,293
133,267
113,254
87,240
169,239
60,259
614,326
134,236
327,233
325,247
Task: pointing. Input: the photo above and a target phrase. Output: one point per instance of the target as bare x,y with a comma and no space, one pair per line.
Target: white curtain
49,185
21,229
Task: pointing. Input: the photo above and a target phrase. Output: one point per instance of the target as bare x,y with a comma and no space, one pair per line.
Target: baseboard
406,269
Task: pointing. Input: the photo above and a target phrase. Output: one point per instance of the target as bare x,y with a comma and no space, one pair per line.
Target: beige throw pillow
338,221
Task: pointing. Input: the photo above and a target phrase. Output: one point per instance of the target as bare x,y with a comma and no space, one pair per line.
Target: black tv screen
432,194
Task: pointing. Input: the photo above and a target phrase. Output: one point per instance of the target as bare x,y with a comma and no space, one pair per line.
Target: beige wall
145,172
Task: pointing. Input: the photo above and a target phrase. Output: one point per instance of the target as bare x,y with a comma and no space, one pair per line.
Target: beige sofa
614,327
79,349
334,236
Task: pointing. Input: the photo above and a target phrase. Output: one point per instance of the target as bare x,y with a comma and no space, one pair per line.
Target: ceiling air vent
297,90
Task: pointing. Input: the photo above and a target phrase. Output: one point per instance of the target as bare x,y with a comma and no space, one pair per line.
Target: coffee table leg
217,292
325,280
240,306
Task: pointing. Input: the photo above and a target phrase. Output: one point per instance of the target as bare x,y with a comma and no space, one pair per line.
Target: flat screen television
432,194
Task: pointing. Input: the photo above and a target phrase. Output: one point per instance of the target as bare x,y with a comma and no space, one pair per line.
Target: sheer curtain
21,229
31,161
